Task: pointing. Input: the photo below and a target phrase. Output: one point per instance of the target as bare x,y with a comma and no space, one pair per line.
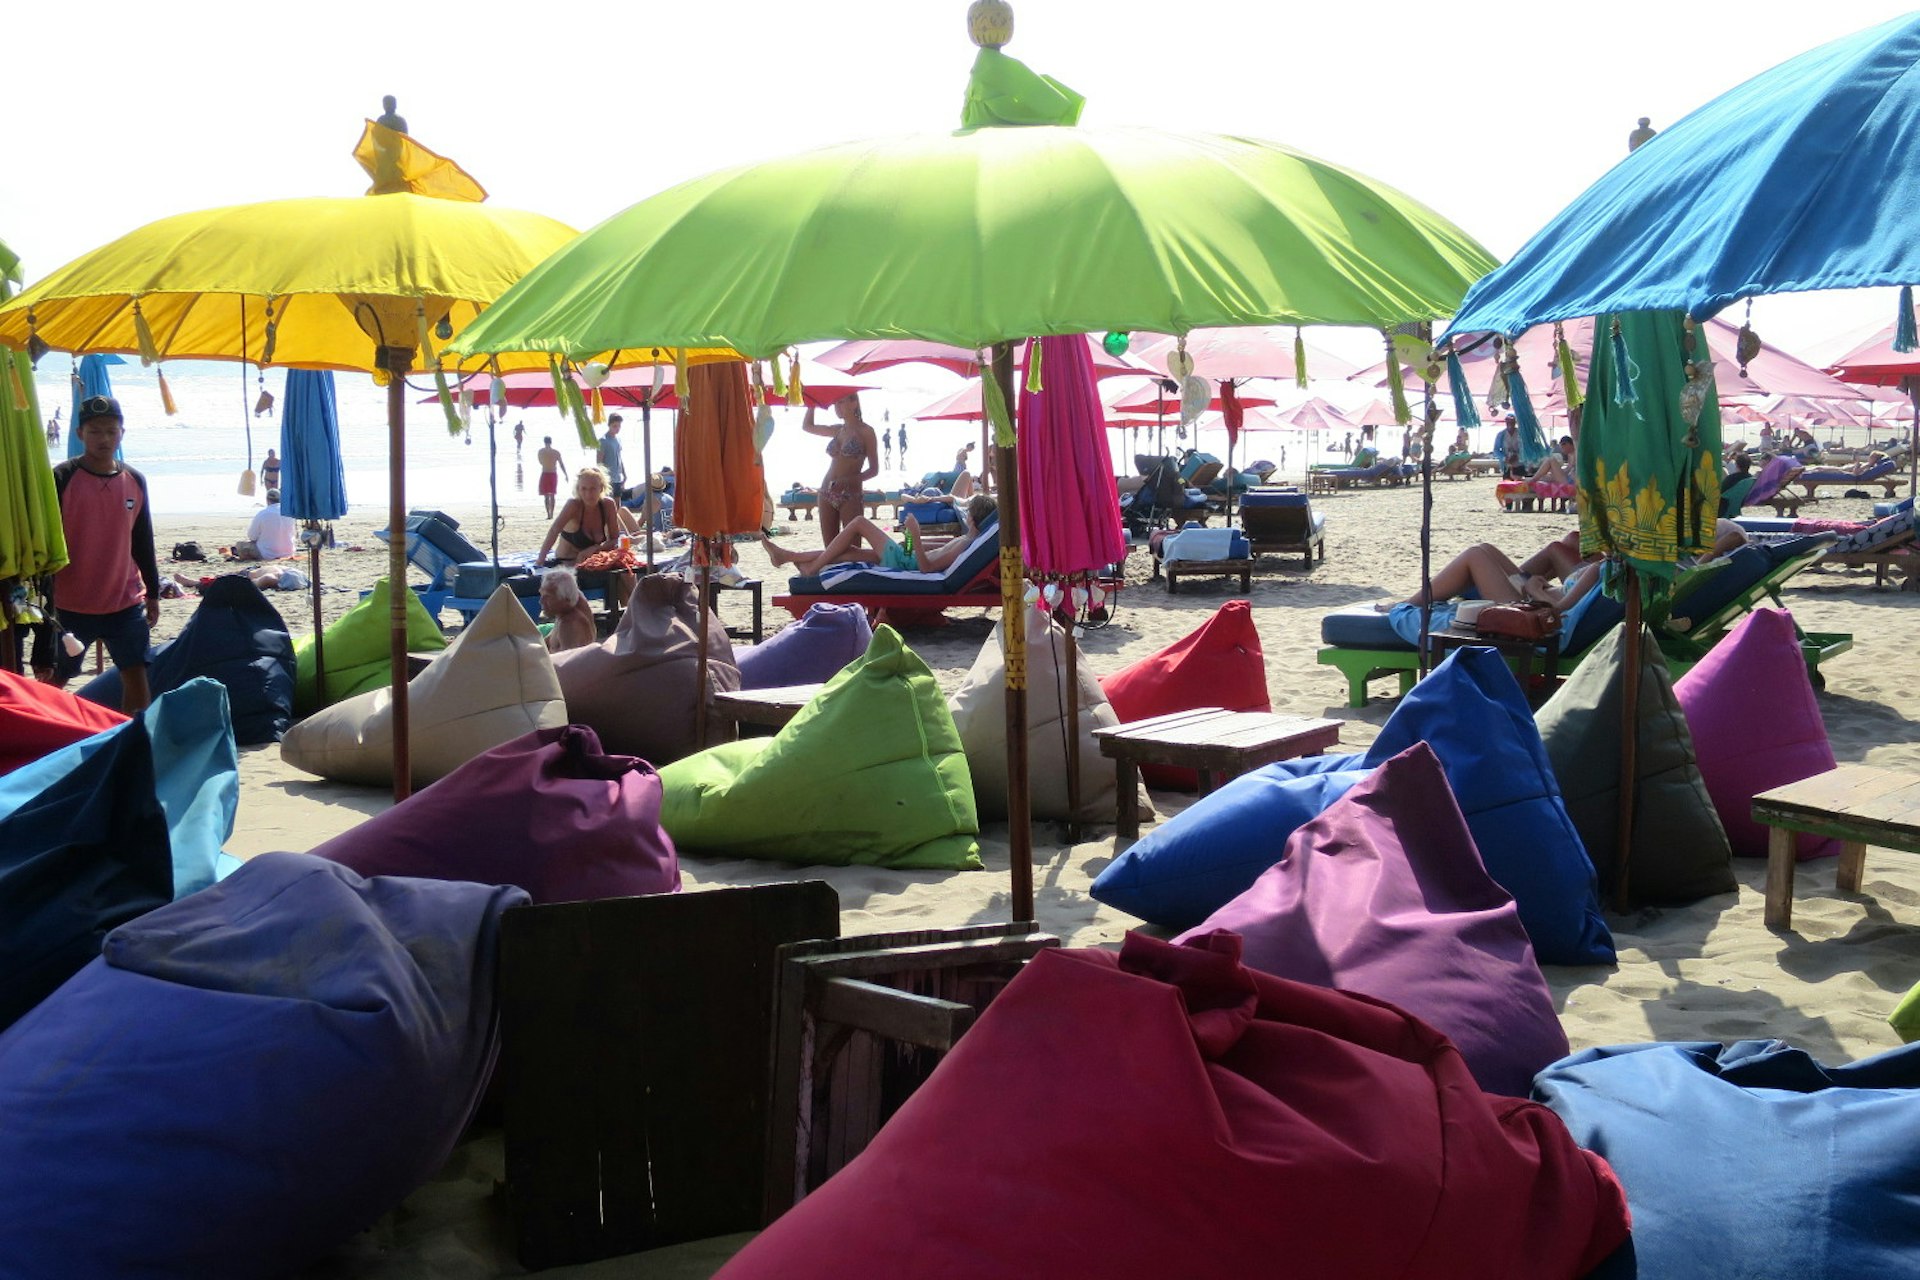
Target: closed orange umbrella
719,487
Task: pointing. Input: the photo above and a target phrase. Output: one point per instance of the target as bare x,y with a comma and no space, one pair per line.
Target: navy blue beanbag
1753,1159
248,1076
236,638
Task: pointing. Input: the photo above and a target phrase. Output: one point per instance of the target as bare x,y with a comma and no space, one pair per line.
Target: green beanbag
358,655
870,772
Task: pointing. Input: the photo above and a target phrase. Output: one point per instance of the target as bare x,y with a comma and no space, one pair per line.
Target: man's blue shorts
126,634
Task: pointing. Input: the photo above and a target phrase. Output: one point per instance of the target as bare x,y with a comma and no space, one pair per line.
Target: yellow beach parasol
371,283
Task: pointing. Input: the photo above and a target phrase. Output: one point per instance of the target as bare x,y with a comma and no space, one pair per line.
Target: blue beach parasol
313,482
89,379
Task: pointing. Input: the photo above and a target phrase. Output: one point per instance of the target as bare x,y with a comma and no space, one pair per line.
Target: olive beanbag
359,650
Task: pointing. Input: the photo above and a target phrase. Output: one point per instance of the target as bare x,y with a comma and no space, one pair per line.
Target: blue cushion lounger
1471,712
971,579
195,776
237,638
1753,1159
245,1078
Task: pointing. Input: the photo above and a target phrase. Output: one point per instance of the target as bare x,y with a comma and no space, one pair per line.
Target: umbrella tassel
1396,384
796,394
14,385
559,391
680,377
1533,441
143,335
576,405
599,407
1464,411
1033,366
779,380
1903,335
166,393
997,412
1299,359
1569,375
447,406
1623,392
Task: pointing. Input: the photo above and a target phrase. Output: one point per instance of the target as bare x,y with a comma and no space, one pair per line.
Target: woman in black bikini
589,522
853,458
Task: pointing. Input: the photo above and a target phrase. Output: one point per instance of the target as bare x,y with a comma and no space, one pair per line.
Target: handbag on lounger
1517,621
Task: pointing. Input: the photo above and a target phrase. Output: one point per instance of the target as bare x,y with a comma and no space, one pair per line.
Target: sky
1495,115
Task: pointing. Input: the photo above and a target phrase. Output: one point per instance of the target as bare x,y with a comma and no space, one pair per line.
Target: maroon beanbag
36,719
1170,1112
547,812
1756,725
1218,665
1384,893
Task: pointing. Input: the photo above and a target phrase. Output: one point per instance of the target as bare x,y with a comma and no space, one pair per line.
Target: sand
1710,971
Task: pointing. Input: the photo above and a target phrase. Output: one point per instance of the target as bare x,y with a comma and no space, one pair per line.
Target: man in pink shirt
110,589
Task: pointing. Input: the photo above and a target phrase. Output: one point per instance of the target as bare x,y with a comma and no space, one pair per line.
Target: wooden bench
1856,804
1219,744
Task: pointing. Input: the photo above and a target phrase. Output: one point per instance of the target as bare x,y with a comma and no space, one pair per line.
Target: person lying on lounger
1487,571
861,541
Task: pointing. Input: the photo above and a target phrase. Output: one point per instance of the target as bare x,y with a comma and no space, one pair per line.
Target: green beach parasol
1008,230
31,539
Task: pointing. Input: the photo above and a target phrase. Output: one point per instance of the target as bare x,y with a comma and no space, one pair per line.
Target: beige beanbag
494,683
979,709
638,688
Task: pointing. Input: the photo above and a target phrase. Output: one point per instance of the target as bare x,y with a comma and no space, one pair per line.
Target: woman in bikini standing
853,458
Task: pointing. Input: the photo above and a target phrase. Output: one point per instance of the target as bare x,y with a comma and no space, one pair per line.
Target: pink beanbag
1169,1112
1385,894
1218,665
549,812
37,719
1756,725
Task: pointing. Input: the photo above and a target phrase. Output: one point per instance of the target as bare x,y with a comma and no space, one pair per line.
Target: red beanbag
1756,725
1169,1112
548,812
36,719
1218,665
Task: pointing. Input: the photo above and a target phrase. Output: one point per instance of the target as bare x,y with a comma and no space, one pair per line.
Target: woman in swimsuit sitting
589,522
861,541
853,458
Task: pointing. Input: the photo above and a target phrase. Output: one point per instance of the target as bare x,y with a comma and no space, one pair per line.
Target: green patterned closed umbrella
31,540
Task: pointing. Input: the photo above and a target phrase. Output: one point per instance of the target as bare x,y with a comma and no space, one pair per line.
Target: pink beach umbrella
865,355
1261,351
1150,399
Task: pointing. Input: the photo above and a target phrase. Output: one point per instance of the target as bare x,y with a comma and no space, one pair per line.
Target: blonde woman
589,522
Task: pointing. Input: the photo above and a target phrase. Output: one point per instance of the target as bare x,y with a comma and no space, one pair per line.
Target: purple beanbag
1756,725
246,1077
549,812
811,651
1385,894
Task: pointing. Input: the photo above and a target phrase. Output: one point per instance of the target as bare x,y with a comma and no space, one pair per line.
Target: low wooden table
769,707
1520,653
1220,744
1856,803
749,585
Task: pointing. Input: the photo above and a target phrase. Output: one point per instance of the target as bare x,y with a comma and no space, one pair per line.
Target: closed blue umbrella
313,482
90,379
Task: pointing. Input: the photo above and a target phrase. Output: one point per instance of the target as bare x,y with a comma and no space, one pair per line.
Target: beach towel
811,651
548,811
37,718
494,683
1218,664
1679,851
246,1077
359,650
1167,1111
870,772
1756,725
1385,894
237,638
1752,1159
639,687
979,709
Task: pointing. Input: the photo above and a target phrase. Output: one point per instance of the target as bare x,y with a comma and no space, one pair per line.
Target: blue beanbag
1471,712
1753,1159
236,638
83,849
1211,852
811,651
247,1077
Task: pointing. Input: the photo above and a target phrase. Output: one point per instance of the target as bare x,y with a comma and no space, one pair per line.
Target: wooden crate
859,1024
634,1065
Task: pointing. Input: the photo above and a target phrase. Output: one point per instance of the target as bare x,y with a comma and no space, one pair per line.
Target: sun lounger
971,581
1454,465
1384,472
795,501
1284,521
1885,544
1884,473
1706,603
436,548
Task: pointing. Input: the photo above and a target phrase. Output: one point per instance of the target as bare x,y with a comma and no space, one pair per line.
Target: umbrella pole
1629,738
646,467
705,548
396,361
1073,725
493,491
1013,628
319,640
1913,437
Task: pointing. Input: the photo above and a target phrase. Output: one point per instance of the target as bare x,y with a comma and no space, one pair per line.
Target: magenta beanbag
1219,664
1384,894
1168,1111
549,812
1756,725
811,651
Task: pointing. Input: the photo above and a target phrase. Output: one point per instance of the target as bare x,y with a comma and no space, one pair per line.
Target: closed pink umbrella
1069,509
